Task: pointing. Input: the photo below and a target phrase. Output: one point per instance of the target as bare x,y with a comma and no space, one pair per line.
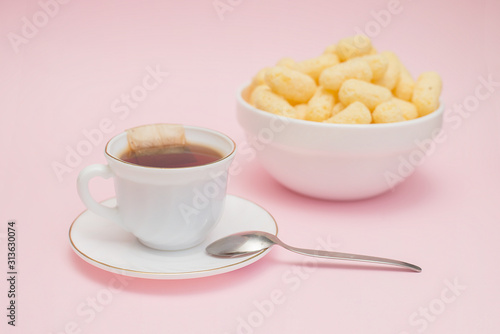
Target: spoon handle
351,257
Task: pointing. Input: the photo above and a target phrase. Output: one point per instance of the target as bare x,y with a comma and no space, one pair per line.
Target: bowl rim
410,123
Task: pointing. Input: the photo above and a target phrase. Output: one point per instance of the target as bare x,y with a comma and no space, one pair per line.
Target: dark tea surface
175,157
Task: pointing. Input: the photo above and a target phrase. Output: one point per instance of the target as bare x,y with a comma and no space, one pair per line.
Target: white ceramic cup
165,208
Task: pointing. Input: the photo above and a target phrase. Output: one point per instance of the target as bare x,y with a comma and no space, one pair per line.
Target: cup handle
83,190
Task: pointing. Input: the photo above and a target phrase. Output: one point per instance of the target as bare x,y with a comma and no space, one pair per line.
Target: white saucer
105,245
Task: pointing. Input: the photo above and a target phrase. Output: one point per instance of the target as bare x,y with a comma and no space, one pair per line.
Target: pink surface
68,77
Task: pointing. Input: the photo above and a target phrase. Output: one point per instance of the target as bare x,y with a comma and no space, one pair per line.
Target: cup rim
413,122
199,128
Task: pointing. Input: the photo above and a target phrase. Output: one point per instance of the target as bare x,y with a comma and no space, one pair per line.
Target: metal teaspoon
251,242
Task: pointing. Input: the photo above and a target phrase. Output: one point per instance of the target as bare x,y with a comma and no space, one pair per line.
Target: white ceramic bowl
337,161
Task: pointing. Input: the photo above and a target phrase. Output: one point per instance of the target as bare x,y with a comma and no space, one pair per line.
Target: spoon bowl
251,242
242,244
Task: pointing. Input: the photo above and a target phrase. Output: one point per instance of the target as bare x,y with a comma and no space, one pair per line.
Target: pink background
65,77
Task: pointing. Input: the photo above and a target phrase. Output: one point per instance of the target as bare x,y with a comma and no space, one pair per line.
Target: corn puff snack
349,83
426,93
296,87
320,106
369,94
332,78
355,113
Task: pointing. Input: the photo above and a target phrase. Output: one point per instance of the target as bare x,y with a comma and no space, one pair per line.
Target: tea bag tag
156,138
